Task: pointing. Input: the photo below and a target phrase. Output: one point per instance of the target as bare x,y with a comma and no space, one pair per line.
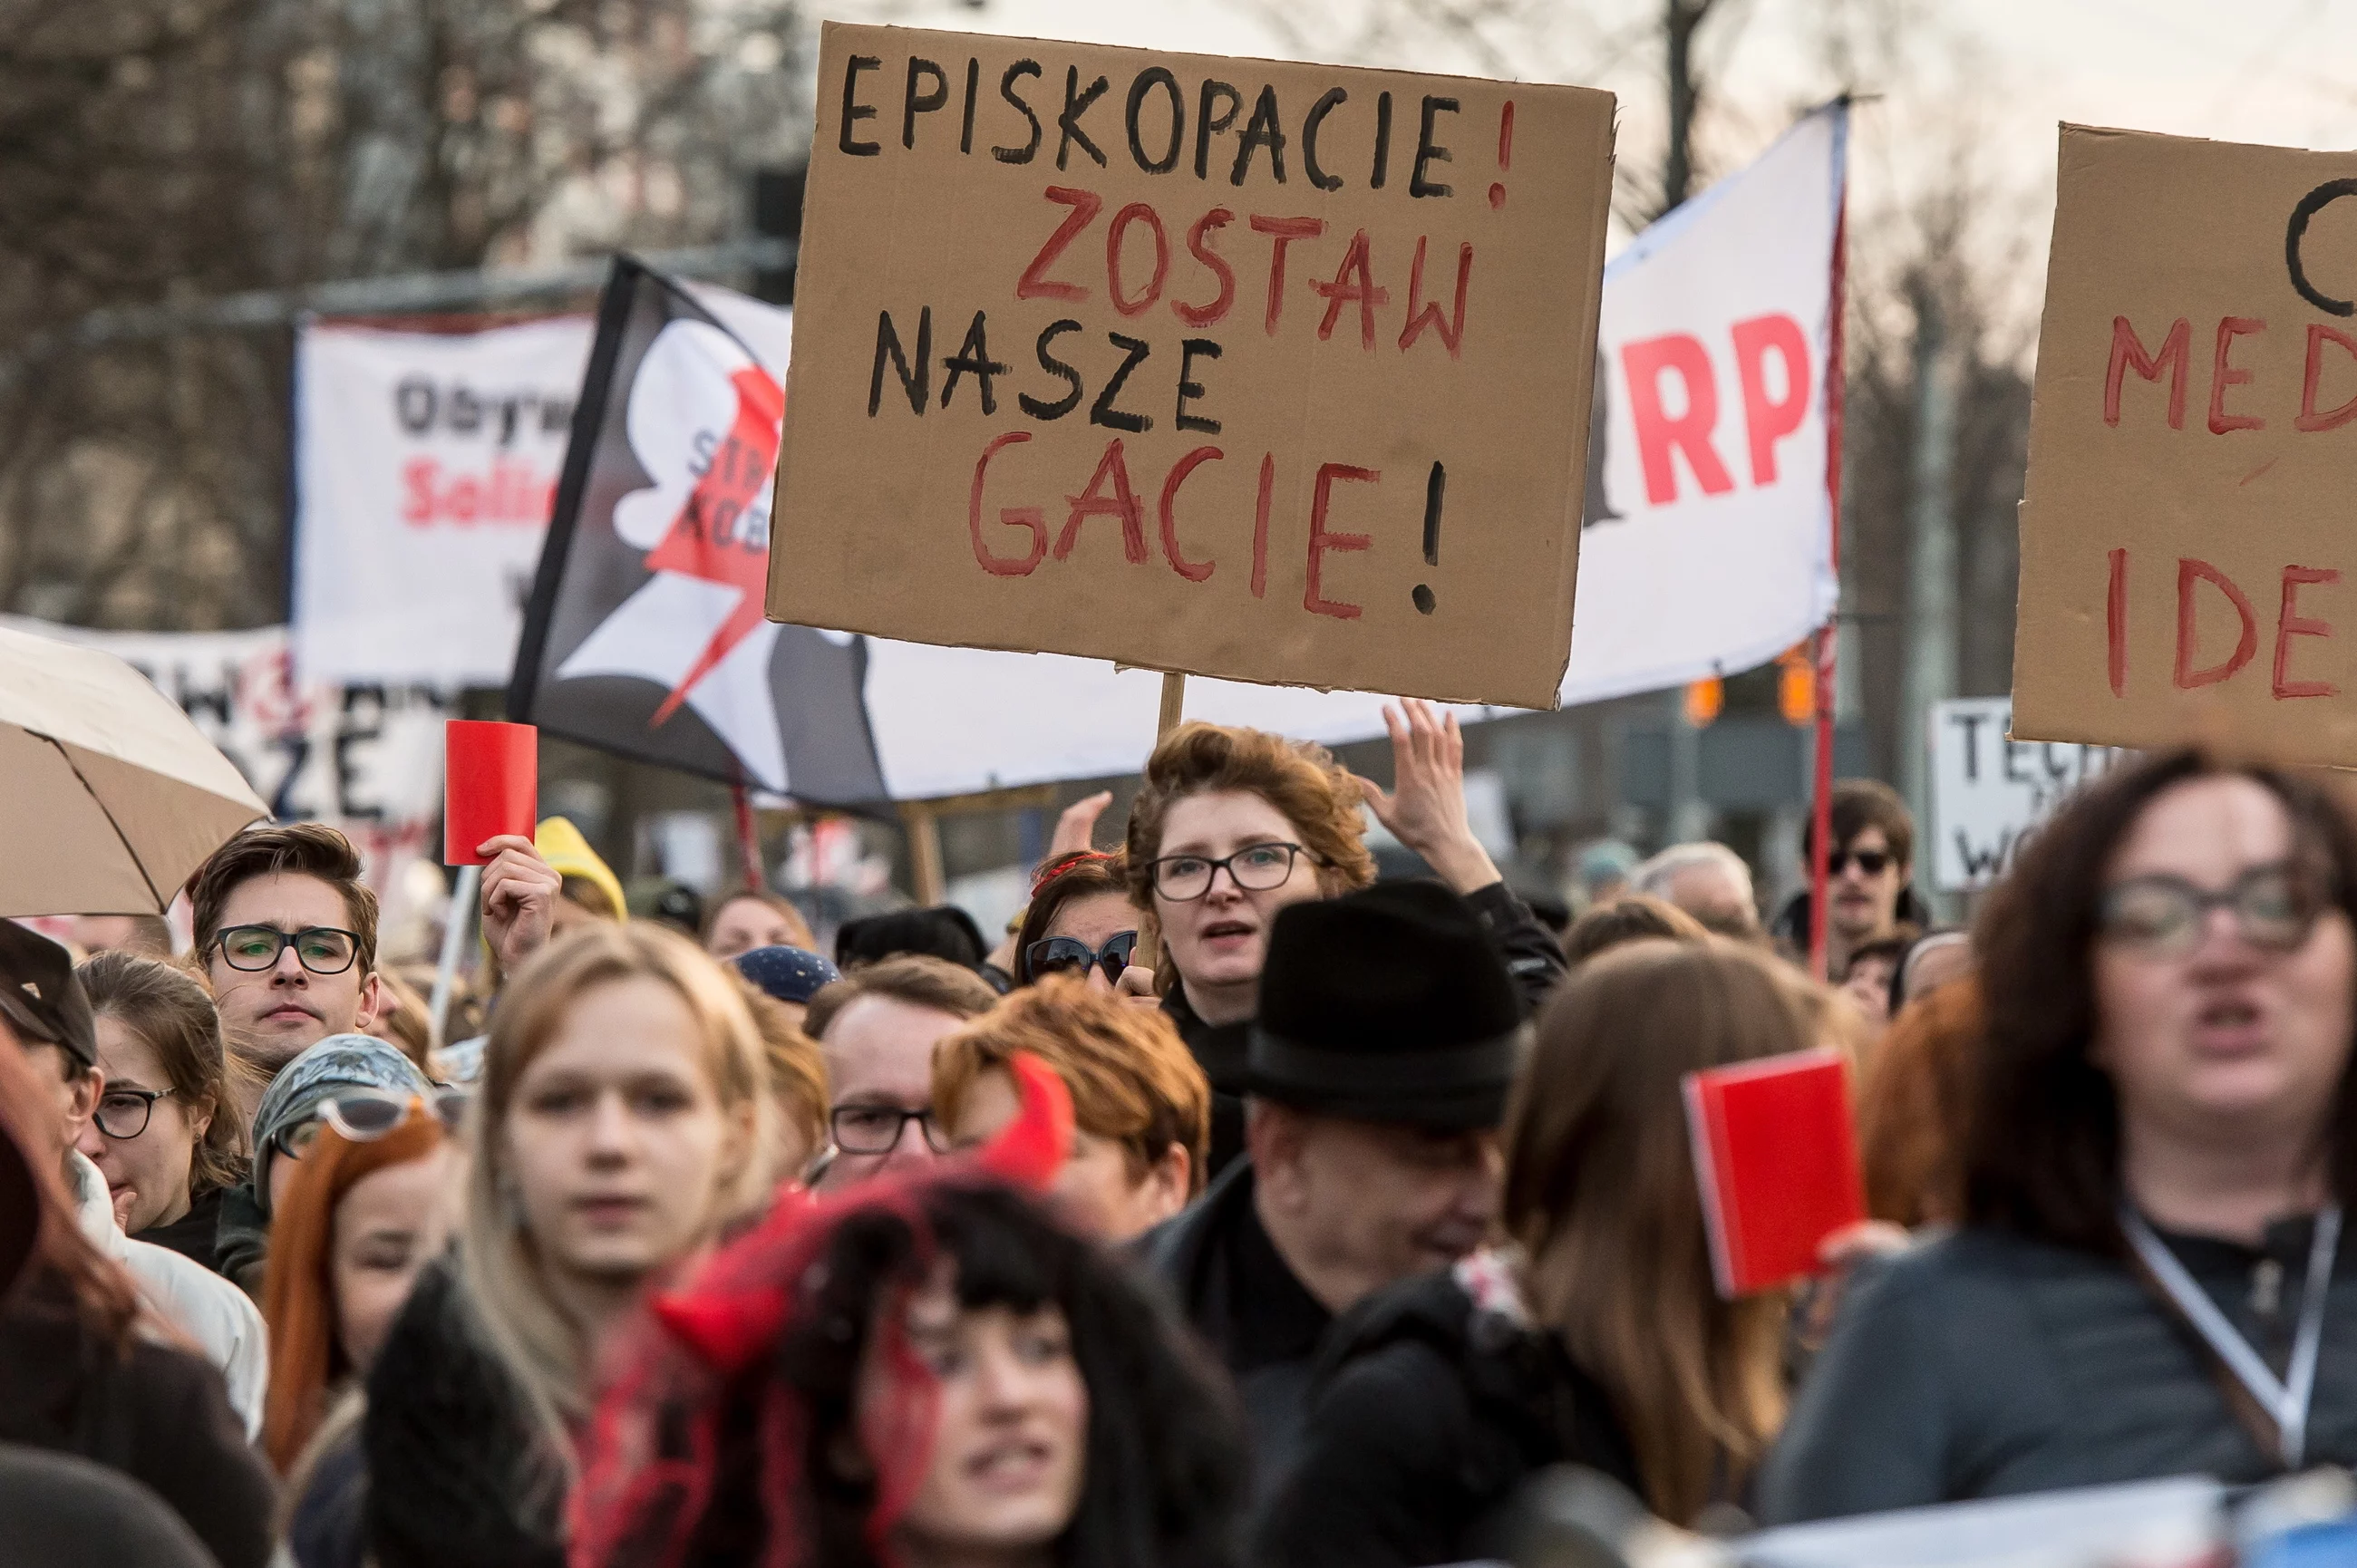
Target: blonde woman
623,1117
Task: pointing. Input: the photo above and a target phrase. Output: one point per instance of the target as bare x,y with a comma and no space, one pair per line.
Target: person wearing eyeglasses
876,1028
1868,889
167,1135
2151,1275
1233,825
287,931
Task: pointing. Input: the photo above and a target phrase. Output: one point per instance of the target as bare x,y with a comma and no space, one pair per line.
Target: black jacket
457,1477
1532,957
1232,1284
1988,1364
59,1512
196,1235
1427,1414
158,1415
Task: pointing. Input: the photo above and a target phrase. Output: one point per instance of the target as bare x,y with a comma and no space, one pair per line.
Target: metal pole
454,930
1930,671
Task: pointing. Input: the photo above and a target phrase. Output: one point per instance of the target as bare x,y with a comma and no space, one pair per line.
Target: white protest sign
1989,794
1706,546
425,467
364,758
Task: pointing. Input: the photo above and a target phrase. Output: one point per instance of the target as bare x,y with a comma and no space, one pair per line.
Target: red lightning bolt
708,539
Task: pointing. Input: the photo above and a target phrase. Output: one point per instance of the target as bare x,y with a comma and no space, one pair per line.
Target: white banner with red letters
425,465
1707,543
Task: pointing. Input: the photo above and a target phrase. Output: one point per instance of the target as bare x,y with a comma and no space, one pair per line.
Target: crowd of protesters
1239,1209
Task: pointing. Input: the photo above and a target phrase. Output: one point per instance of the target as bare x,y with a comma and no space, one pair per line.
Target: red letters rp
2188,672
1765,419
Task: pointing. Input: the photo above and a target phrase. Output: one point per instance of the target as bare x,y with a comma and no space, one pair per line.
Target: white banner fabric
1712,551
425,467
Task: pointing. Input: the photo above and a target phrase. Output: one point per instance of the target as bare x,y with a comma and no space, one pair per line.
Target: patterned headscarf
338,1063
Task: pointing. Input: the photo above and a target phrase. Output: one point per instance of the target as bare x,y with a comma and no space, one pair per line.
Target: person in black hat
1377,1071
48,1013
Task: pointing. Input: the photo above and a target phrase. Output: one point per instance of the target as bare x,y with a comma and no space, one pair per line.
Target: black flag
645,635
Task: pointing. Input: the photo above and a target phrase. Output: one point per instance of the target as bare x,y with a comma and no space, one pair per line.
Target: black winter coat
456,1476
1988,1364
155,1414
1232,1284
1427,1412
1532,957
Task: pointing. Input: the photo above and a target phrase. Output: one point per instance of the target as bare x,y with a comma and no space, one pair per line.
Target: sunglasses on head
1870,861
1069,955
362,1117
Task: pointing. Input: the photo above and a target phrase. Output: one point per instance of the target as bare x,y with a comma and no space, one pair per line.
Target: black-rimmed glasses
1069,955
1255,868
2275,907
322,949
122,1113
876,1129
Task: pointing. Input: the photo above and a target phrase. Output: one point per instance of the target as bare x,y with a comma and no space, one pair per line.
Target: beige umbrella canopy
109,797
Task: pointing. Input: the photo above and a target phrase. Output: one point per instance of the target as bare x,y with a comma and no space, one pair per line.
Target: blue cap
787,974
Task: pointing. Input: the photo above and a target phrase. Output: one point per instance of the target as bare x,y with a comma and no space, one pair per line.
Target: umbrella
109,796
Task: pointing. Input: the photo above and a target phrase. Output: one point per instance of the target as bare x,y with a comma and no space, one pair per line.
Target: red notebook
1777,1162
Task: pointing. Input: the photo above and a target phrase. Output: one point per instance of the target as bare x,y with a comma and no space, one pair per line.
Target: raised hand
1426,808
518,898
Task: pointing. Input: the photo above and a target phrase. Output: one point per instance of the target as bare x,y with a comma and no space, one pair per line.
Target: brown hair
797,1066
298,1292
2042,1156
302,848
1133,1082
1862,803
499,1264
1301,780
1630,918
408,1021
918,980
64,1269
173,1014
584,893
784,908
1601,1193
1080,873
1914,1102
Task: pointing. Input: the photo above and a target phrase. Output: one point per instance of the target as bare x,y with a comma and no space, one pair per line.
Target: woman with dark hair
85,1370
2150,1278
924,1372
170,1141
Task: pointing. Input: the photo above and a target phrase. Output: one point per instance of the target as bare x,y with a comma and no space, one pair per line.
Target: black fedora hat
1390,1004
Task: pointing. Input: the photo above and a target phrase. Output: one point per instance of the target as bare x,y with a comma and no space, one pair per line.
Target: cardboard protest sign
1274,371
2185,538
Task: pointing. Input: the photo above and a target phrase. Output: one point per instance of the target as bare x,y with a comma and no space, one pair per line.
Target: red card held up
491,785
1776,1159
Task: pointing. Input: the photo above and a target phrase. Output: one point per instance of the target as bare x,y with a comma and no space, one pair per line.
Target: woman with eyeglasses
1080,922
1233,825
293,1111
168,1139
2151,1276
622,1118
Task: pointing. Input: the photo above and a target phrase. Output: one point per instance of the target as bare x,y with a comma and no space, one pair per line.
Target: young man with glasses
1867,884
286,931
876,1028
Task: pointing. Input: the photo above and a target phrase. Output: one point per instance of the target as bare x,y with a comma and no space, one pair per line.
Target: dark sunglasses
1069,955
1870,861
362,1117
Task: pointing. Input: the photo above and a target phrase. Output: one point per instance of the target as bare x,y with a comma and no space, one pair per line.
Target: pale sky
1972,84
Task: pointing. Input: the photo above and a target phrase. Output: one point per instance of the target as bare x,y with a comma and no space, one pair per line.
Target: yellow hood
568,854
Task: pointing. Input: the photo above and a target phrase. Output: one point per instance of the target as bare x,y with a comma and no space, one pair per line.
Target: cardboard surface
1053,389
492,786
2185,541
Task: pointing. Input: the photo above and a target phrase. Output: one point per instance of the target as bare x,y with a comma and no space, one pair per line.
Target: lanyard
2287,1403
